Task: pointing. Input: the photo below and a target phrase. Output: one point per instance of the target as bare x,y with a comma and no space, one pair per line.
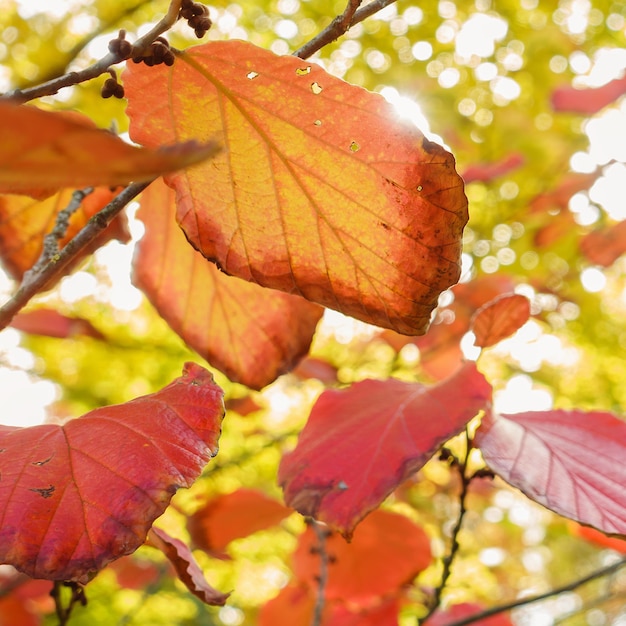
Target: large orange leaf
44,150
360,443
231,516
74,498
24,222
387,551
251,334
322,191
570,461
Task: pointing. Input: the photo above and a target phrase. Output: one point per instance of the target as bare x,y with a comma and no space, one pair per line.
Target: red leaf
186,567
499,319
331,196
251,334
51,323
45,150
387,551
293,606
360,443
383,614
570,461
484,172
599,538
75,497
134,573
232,516
587,101
461,611
605,245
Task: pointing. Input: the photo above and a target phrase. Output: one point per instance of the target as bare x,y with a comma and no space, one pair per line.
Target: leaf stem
35,281
341,24
599,573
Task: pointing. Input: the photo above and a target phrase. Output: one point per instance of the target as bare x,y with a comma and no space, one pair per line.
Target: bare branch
321,533
341,24
102,66
54,266
503,608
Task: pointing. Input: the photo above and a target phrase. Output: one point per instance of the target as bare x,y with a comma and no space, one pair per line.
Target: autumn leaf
322,190
499,319
360,443
186,567
43,151
484,172
587,101
293,606
231,516
251,334
24,222
75,497
569,461
605,245
598,538
386,552
51,323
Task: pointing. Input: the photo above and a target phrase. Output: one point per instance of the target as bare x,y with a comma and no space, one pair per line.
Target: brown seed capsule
109,88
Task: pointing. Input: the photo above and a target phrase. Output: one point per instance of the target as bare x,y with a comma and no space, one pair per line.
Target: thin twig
321,532
340,25
49,88
52,239
454,540
503,608
35,282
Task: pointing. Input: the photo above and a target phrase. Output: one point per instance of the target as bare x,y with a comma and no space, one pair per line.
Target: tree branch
454,540
341,24
49,88
34,282
320,601
605,571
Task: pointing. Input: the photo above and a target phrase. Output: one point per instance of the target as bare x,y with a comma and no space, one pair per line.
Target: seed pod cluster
197,16
111,87
158,52
120,46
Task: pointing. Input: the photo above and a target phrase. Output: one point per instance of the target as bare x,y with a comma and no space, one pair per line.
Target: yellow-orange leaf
251,334
24,222
321,191
42,151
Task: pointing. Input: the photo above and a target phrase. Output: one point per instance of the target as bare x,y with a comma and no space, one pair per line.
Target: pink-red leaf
45,150
251,334
484,172
570,461
51,323
322,191
360,443
499,319
186,567
231,516
387,551
587,101
75,497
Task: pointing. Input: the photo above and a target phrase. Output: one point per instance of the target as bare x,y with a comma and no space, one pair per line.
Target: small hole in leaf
342,485
317,122
419,188
303,71
316,88
251,75
354,147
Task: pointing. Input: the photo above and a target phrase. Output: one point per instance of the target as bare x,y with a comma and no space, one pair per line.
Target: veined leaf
321,190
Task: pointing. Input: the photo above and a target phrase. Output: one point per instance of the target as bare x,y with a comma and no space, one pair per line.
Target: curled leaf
499,319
